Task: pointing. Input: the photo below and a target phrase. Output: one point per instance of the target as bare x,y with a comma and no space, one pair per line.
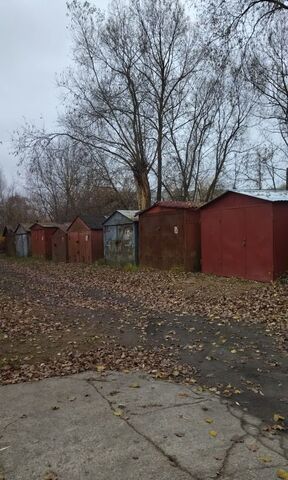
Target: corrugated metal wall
22,245
120,243
120,235
280,217
59,246
169,238
84,245
41,241
22,242
237,237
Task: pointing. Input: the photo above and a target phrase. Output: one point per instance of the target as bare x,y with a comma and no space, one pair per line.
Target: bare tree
64,178
129,67
188,134
243,18
267,69
204,141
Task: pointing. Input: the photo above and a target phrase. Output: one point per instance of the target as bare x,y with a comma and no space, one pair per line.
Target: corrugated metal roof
46,225
64,226
131,214
171,204
25,226
93,221
270,195
267,195
175,204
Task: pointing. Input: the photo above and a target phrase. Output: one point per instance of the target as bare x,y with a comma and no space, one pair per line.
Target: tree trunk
143,190
159,158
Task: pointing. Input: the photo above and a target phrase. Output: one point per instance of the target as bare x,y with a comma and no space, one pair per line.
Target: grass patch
130,267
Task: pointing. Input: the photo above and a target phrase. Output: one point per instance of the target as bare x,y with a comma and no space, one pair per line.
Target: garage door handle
244,243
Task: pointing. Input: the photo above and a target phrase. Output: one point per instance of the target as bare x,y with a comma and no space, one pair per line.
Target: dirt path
61,319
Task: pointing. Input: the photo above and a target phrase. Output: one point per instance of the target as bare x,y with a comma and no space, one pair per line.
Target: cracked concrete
67,426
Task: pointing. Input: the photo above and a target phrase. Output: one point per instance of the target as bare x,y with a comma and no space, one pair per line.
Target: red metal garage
85,239
245,234
41,239
60,244
169,236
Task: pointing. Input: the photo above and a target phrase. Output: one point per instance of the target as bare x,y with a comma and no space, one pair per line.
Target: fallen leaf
209,420
134,385
183,394
118,412
283,474
277,417
253,447
265,459
50,476
100,368
212,433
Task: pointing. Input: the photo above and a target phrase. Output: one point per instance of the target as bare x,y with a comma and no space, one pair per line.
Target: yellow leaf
118,412
134,385
277,417
213,434
265,459
100,368
282,474
209,420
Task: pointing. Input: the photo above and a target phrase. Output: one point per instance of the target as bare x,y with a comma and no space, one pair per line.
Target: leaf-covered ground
226,335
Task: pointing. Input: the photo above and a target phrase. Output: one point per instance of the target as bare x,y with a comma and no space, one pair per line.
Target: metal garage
245,234
120,232
169,236
85,239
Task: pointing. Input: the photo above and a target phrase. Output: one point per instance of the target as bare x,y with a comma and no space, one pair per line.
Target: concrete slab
127,426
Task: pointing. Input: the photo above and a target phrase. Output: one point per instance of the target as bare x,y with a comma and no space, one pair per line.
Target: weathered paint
244,236
85,245
41,240
60,246
121,239
22,241
169,237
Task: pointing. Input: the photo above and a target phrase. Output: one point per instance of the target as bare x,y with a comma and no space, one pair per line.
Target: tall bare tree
267,69
205,140
128,68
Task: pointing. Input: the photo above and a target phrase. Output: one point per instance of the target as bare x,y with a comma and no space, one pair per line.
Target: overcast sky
35,45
